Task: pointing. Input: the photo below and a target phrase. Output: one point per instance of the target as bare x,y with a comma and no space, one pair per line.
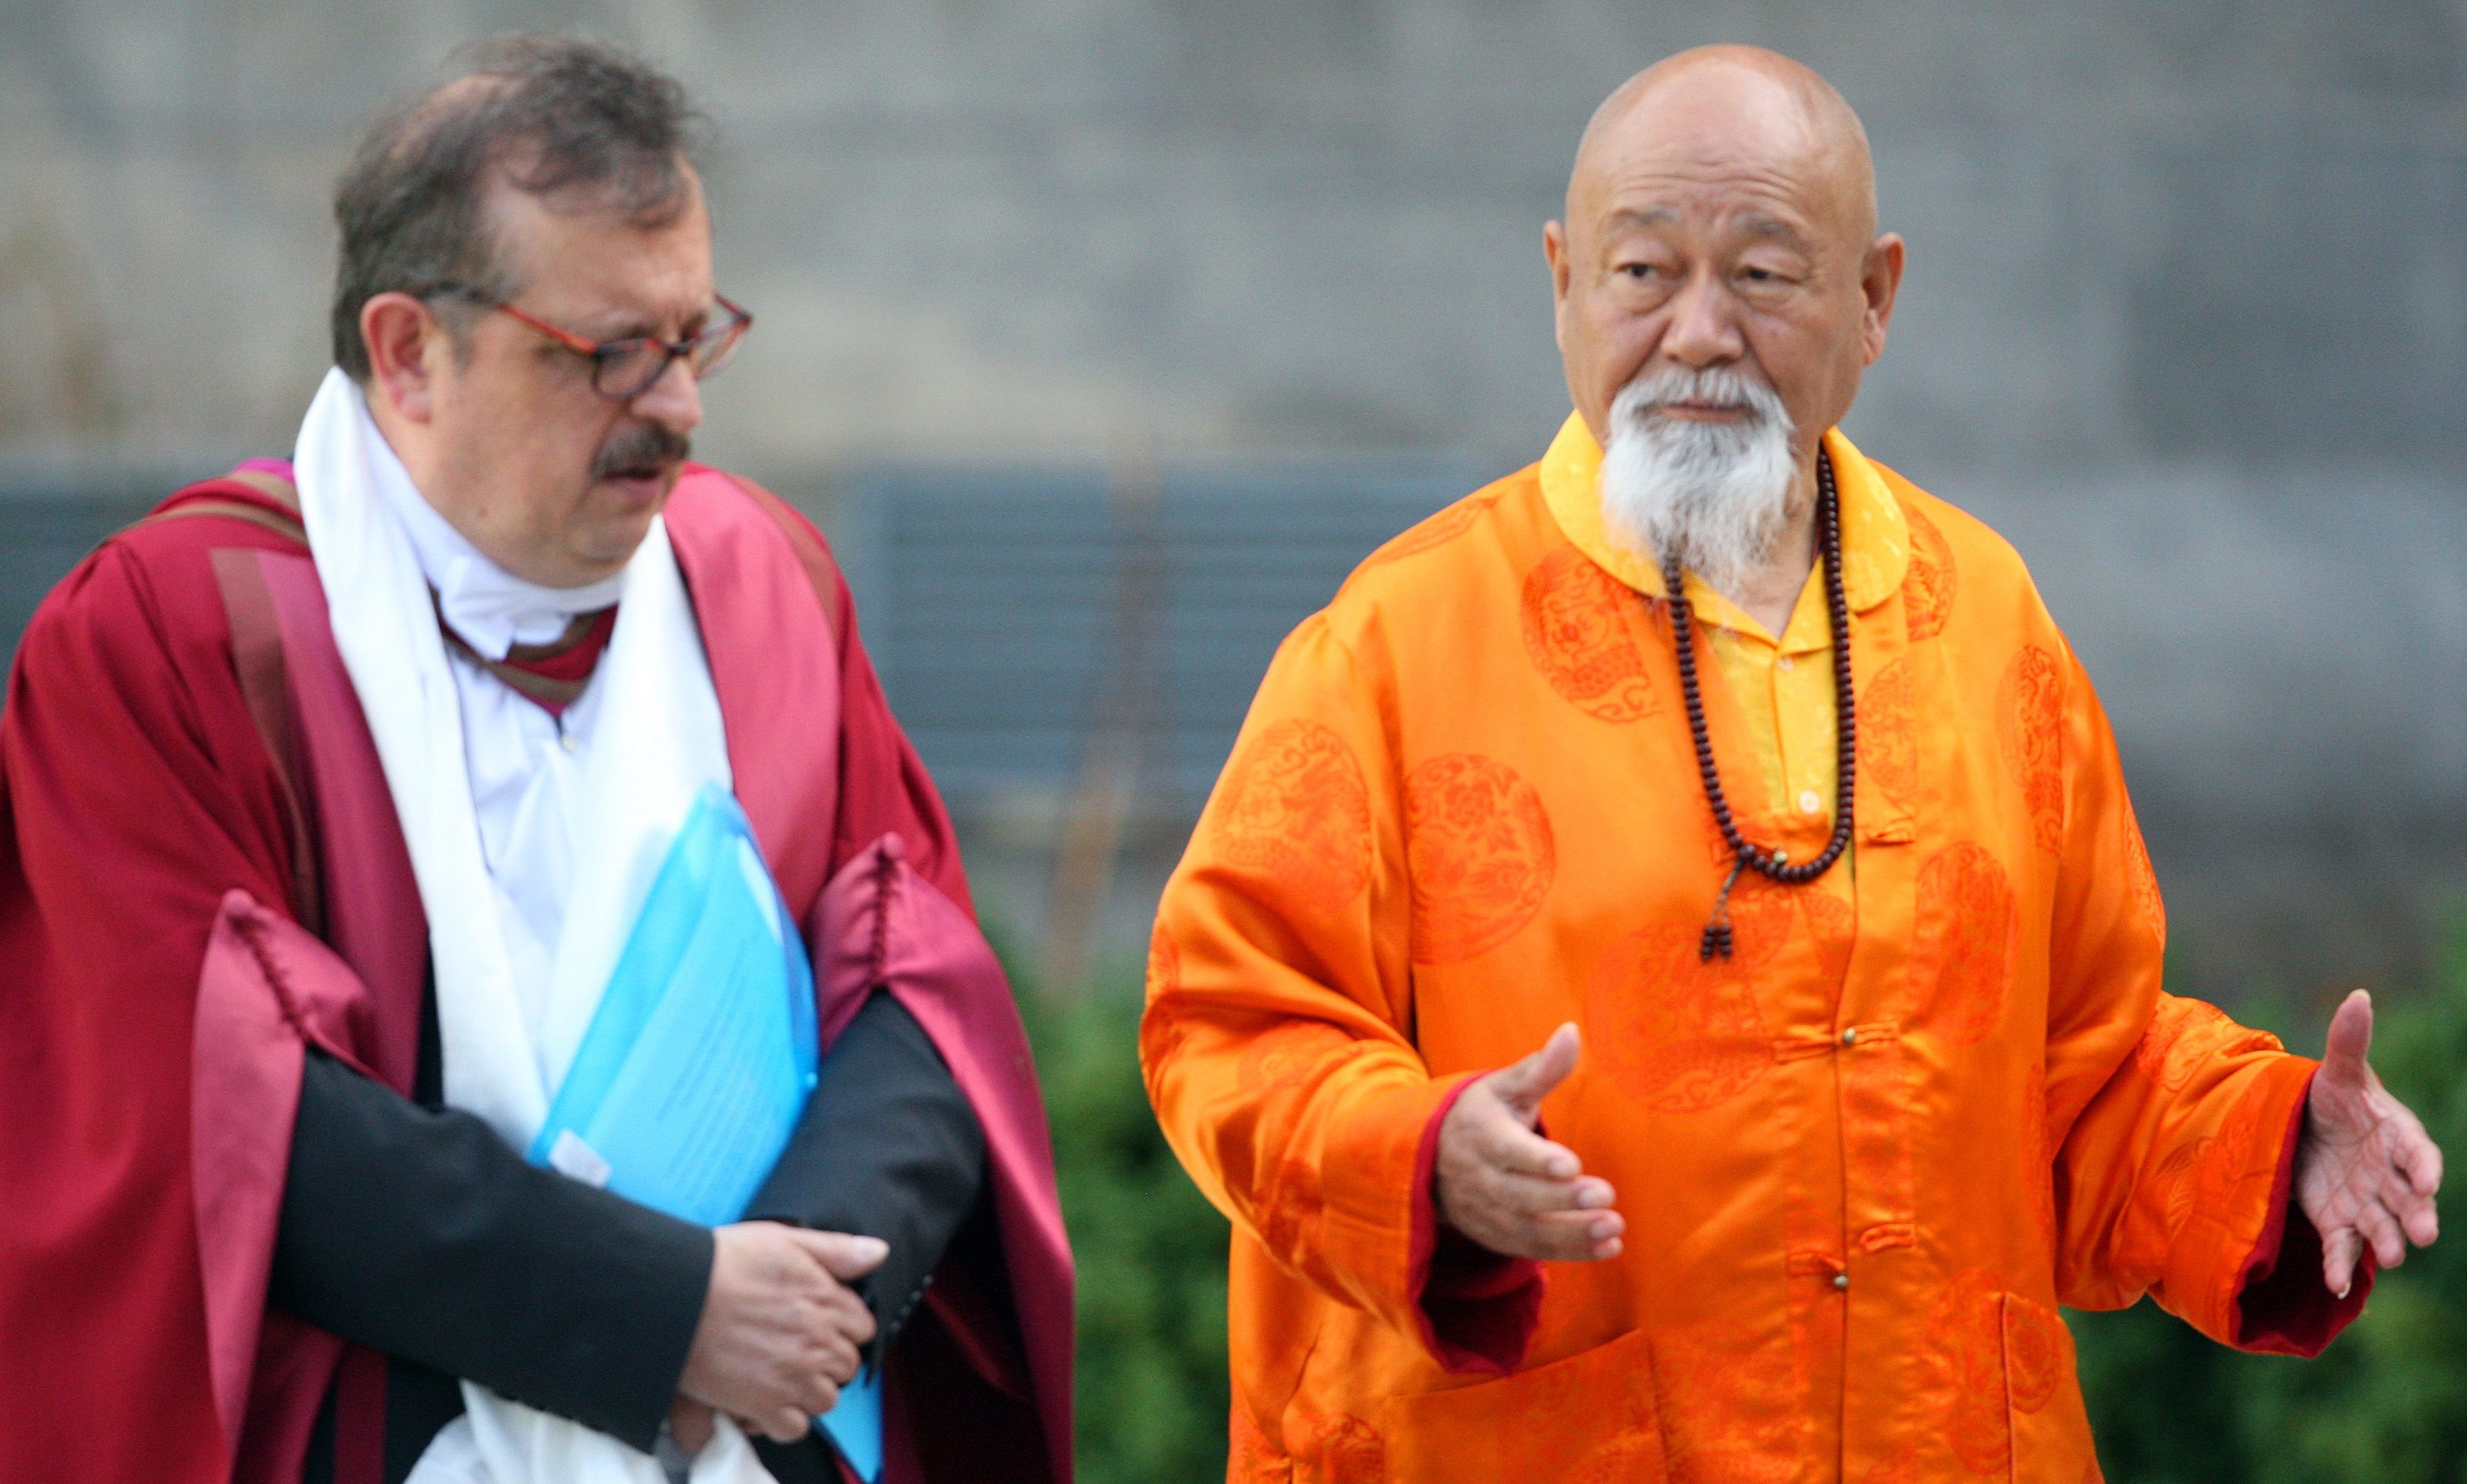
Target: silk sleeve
2174,1128
420,1233
133,795
1277,1044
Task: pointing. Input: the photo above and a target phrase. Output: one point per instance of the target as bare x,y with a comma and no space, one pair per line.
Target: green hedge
1152,1386
2387,1405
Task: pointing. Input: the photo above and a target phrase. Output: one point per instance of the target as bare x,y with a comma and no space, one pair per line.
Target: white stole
656,743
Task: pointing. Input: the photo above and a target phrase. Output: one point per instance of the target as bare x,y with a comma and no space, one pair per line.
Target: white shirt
525,764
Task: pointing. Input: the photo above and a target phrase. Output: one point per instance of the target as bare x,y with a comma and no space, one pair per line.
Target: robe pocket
1589,1419
2048,1425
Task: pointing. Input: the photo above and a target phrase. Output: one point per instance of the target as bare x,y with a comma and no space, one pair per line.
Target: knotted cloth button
1850,1036
1842,1279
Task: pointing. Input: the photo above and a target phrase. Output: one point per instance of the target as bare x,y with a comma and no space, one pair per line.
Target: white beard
1714,496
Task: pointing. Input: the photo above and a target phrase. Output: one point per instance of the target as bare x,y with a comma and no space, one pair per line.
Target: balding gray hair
580,123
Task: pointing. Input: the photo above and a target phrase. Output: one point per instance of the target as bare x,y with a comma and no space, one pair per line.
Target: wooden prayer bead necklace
1773,864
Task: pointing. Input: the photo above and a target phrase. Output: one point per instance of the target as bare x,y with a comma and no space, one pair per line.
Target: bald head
1739,106
1722,216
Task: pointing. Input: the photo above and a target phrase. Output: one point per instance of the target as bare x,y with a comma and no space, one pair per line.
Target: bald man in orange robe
1755,788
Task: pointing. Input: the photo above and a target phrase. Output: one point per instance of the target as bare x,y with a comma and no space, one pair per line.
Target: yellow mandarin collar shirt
1783,687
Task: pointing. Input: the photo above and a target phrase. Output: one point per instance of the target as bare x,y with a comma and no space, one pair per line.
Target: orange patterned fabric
1931,1097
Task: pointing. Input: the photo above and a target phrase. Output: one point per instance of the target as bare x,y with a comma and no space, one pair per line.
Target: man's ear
402,335
1554,247
1880,283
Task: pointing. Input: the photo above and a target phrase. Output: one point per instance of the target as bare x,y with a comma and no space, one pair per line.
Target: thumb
2351,1036
845,1255
1522,1085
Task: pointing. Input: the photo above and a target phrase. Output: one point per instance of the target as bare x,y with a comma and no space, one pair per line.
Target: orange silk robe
1932,1096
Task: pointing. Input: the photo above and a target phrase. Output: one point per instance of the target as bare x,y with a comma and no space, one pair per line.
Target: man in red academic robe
267,1219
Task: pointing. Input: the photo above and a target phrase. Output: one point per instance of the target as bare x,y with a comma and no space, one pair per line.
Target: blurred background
1105,336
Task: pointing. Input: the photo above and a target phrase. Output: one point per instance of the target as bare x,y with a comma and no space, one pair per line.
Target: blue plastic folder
698,1063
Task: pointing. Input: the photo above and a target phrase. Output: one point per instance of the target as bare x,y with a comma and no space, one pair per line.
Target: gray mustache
644,449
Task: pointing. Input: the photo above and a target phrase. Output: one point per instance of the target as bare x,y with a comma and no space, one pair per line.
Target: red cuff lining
1478,1308
2281,1306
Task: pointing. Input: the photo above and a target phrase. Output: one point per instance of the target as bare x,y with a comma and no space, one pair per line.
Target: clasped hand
779,1332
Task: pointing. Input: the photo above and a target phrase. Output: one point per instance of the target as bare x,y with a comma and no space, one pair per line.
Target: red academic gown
201,875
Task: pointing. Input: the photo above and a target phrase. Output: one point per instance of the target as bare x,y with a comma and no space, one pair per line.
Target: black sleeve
417,1232
888,1148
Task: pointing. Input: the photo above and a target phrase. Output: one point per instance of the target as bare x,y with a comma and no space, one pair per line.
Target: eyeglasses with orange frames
626,368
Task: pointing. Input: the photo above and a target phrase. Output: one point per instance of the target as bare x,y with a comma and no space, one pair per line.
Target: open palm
2366,1171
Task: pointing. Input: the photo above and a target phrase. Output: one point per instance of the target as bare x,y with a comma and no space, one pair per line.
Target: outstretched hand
2366,1171
1506,1187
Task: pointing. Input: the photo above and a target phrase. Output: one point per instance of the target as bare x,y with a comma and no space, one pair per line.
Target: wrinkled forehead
1729,147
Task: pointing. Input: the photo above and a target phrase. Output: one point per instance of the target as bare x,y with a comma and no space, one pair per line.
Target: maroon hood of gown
191,806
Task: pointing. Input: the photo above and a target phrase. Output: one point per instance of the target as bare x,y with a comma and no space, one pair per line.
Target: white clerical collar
489,607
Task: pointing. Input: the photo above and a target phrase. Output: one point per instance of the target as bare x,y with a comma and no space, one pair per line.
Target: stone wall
2186,310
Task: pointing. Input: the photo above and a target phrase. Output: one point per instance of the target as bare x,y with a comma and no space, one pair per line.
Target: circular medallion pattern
1436,530
2029,734
1285,1056
1721,1386
2143,879
1164,962
2038,1351
2184,1034
2236,1152
1888,746
1477,845
1297,814
1350,1451
1576,622
1926,587
1969,937
1963,1340
1678,1033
